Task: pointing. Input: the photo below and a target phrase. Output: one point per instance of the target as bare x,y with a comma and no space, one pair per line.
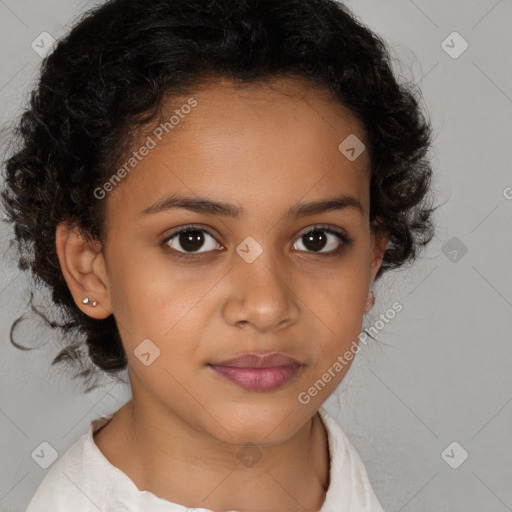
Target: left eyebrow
211,207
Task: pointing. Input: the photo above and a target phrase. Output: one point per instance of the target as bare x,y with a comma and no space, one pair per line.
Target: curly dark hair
110,76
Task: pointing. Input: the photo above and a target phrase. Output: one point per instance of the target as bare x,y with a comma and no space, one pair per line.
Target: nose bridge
261,294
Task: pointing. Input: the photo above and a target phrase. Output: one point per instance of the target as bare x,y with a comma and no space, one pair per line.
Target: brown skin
265,149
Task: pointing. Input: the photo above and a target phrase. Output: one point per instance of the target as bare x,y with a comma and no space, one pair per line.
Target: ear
380,241
83,266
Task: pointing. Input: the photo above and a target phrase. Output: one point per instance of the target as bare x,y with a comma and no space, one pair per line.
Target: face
274,277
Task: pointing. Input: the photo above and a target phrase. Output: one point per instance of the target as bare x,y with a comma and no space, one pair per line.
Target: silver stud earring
371,298
86,300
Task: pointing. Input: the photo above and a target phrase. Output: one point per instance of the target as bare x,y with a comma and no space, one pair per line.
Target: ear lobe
83,267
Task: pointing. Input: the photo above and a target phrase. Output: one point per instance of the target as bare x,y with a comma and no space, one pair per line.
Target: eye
188,240
191,239
317,238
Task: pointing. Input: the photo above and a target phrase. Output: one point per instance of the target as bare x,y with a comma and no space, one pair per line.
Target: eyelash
346,241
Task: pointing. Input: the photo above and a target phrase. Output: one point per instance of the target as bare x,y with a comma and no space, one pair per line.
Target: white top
83,480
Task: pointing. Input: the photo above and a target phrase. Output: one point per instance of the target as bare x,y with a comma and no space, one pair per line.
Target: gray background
441,369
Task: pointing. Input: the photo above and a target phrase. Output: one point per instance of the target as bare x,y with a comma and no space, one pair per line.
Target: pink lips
257,372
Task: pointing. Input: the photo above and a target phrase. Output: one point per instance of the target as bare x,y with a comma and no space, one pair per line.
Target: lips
258,372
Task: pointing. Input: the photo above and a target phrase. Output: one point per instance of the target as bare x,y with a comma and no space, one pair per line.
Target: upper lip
260,360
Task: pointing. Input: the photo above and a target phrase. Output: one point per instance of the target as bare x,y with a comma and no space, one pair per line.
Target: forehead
243,144
231,106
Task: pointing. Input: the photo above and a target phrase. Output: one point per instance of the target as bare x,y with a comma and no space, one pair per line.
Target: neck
163,454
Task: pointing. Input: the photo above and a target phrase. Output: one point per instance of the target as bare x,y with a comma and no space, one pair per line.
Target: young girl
211,189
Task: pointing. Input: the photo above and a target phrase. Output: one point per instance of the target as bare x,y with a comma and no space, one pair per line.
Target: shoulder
349,482
78,478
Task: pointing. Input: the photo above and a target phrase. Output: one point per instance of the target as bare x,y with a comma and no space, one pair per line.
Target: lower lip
257,379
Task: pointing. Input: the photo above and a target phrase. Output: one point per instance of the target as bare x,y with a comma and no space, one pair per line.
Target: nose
261,294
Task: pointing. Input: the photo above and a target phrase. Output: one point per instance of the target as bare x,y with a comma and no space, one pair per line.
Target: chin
260,432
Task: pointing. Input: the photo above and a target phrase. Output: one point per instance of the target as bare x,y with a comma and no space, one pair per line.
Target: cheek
341,297
164,318
149,297
339,309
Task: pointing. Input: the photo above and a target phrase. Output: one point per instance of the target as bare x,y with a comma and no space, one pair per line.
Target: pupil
189,238
312,238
